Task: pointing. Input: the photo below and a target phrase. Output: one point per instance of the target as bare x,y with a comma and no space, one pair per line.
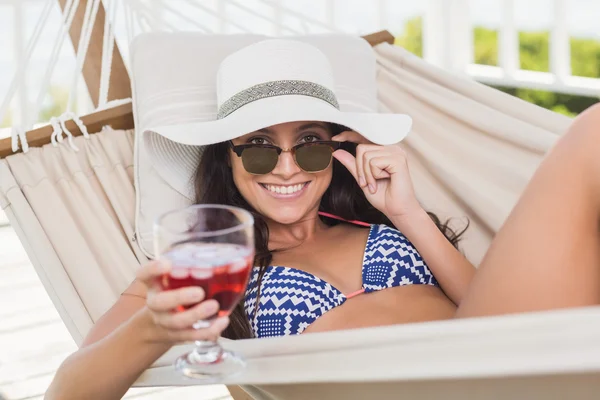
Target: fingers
167,300
173,326
372,163
185,319
360,170
147,274
190,335
178,326
377,163
380,166
367,171
363,155
350,136
347,160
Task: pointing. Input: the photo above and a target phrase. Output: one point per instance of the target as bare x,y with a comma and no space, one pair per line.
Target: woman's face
287,194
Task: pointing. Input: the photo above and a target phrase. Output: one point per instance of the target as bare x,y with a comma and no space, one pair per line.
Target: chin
285,217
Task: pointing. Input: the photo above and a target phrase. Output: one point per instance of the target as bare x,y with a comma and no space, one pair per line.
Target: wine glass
210,246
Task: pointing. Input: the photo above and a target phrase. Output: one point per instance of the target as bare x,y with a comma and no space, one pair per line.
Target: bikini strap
324,214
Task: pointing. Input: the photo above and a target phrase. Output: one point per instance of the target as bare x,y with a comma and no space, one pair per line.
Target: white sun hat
267,83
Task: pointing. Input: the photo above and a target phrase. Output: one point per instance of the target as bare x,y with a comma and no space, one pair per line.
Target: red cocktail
222,270
212,247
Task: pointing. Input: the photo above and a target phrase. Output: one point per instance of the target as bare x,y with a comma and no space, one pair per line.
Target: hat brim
175,150
380,129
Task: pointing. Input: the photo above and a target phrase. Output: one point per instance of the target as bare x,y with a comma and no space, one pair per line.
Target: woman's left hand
382,173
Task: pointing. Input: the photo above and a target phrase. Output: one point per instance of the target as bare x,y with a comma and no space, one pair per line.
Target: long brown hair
214,185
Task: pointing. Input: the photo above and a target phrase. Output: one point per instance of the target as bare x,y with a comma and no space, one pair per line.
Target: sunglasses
260,159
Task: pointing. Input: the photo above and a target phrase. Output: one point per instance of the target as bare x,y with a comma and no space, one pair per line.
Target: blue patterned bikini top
291,299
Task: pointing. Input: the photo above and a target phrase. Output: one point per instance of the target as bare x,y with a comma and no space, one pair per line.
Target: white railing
22,104
448,41
508,73
447,34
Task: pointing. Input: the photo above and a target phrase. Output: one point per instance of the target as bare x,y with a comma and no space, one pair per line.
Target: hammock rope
108,46
18,133
68,17
138,16
21,70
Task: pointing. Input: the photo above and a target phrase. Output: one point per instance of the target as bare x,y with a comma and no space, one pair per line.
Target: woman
319,261
358,276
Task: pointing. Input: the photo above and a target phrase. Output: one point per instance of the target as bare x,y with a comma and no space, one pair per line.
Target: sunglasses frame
239,150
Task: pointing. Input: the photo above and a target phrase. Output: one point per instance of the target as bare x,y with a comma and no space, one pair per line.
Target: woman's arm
133,334
382,173
451,269
107,368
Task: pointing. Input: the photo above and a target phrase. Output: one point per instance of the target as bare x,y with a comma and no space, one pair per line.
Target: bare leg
547,254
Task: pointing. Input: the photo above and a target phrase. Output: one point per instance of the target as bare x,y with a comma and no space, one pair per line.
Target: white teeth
284,189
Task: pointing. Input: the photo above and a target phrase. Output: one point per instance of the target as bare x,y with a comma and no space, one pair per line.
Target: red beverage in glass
222,270
209,246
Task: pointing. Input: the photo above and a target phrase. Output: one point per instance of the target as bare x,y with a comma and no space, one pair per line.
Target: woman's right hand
169,325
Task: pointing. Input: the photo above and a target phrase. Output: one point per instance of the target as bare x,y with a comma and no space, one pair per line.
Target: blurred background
544,51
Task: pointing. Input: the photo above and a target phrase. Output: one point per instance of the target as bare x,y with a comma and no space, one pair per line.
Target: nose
286,166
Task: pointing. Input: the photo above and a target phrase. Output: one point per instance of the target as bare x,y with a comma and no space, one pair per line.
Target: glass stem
207,351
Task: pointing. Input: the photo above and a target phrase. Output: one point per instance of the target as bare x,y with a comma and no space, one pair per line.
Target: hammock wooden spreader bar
120,86
379,37
118,117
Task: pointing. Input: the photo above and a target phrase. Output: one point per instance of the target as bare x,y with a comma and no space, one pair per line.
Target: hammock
471,152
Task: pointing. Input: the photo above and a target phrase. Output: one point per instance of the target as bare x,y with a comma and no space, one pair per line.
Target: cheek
243,180
235,163
240,176
324,180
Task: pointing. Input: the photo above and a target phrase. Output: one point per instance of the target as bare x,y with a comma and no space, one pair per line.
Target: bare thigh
547,254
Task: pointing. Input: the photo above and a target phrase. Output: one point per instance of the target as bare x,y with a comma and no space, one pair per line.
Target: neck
282,236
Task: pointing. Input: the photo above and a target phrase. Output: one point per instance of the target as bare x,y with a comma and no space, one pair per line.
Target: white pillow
173,77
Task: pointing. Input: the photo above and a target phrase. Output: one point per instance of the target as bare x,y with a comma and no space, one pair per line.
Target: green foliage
412,37
566,104
534,52
585,57
485,42
57,104
7,121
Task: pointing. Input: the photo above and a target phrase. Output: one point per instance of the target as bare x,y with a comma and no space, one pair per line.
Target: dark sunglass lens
313,157
259,160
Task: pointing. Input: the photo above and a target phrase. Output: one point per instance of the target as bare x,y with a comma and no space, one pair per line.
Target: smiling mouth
285,190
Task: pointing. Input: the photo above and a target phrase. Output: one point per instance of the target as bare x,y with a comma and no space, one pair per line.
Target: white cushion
173,77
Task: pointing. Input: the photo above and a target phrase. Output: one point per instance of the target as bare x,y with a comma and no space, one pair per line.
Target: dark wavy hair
214,184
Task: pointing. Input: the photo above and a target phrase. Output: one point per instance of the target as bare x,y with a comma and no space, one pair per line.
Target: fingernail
361,181
372,188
